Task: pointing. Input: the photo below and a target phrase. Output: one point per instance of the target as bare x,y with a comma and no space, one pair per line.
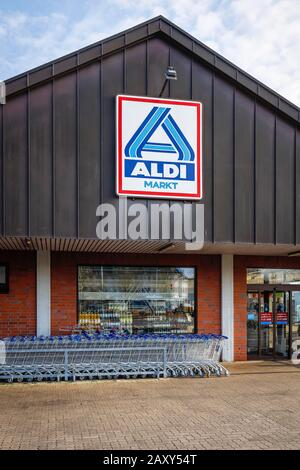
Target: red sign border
119,190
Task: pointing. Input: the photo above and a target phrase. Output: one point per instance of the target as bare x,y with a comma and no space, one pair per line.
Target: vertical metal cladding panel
136,70
265,175
112,79
297,185
157,63
89,148
16,165
244,168
136,82
65,156
1,169
41,160
181,89
223,160
202,83
285,170
158,56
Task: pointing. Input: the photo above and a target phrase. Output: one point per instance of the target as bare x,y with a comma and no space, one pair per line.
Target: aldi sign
159,148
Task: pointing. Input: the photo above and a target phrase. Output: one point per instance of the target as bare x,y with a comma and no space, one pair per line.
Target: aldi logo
159,148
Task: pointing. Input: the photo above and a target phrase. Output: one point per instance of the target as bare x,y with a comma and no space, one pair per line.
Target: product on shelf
155,316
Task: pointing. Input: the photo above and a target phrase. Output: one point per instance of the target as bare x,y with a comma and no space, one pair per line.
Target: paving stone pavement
257,407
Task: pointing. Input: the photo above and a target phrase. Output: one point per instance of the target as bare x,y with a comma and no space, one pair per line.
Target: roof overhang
142,246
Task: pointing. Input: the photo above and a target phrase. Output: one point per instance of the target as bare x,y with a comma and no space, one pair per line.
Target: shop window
137,299
273,276
3,279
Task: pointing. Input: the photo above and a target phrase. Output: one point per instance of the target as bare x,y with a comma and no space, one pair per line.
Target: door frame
259,288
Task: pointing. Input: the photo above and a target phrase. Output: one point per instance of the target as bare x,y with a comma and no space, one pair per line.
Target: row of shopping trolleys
110,356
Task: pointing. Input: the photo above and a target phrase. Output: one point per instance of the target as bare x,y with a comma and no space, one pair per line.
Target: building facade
58,164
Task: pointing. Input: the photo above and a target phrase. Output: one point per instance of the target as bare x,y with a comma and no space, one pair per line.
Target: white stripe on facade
227,312
43,292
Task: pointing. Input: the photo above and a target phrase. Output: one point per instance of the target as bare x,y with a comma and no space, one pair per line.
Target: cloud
260,36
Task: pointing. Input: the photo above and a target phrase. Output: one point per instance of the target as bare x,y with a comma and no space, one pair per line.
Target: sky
260,36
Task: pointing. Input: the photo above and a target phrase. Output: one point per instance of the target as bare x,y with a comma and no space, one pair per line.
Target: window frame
130,265
4,288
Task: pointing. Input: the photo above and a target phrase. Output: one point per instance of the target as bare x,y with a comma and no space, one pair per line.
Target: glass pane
295,316
252,323
266,322
273,276
137,299
282,323
3,275
255,276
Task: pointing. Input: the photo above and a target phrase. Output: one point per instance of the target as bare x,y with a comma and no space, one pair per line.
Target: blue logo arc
159,116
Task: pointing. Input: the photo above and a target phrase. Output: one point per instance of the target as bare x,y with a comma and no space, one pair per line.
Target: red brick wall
18,307
241,263
64,284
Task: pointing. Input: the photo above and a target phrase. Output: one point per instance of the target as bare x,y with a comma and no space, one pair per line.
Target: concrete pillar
43,292
227,307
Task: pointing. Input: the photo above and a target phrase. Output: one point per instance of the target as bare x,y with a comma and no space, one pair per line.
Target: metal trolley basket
111,356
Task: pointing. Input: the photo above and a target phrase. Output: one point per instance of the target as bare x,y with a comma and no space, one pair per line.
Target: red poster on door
266,318
282,318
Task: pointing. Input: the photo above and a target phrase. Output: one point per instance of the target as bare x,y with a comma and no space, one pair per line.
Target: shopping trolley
111,356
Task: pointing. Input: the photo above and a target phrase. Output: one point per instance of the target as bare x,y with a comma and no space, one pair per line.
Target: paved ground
257,407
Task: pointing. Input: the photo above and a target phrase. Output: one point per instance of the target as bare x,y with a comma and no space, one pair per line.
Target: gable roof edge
140,32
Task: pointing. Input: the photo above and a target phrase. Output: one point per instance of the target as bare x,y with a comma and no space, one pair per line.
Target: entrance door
295,316
268,323
253,324
281,320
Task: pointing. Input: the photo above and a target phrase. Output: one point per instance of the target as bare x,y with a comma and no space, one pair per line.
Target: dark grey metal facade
57,134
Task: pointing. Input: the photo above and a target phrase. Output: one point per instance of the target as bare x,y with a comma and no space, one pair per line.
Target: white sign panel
159,145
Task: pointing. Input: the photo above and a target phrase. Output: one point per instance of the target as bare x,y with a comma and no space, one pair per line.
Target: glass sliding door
295,316
282,323
266,323
252,324
277,292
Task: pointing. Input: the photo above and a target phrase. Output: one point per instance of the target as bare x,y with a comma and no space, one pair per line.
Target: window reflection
136,299
273,276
